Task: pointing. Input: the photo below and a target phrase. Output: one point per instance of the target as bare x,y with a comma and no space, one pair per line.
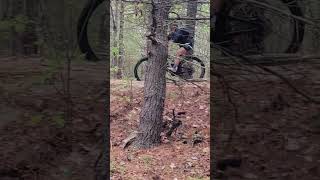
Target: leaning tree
155,82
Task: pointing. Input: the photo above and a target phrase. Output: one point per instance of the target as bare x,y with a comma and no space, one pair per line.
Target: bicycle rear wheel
263,29
89,26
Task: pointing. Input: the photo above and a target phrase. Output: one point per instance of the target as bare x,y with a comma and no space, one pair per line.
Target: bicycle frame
172,58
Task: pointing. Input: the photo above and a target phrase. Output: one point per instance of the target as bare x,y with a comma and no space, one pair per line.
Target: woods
155,82
159,89
153,43
158,115
135,24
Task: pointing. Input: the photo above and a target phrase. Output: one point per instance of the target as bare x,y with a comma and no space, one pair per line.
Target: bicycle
190,67
252,27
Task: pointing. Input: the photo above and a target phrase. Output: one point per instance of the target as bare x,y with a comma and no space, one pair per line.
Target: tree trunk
155,83
121,45
192,13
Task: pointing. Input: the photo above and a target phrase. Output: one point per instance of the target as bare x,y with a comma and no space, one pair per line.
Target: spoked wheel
90,23
254,28
191,65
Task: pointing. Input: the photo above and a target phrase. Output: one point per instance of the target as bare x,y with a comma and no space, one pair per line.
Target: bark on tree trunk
155,83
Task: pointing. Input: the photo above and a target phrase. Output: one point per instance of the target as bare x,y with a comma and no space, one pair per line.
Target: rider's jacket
182,36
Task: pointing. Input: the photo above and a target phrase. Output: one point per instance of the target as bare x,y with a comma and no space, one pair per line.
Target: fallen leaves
172,158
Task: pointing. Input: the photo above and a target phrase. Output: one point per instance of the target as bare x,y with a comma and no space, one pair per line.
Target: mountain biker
182,36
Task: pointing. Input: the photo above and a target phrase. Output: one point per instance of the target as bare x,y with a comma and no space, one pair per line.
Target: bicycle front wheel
267,26
140,69
90,24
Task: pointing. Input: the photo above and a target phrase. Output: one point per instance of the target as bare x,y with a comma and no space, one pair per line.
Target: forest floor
176,157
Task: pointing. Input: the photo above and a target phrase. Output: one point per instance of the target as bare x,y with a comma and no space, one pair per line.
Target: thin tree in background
121,45
115,12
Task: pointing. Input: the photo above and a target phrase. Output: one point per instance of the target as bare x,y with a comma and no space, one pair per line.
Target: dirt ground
176,158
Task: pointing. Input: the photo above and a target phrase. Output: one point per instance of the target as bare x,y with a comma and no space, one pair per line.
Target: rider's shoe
173,68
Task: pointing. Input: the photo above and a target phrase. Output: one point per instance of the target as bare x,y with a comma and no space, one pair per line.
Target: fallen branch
128,141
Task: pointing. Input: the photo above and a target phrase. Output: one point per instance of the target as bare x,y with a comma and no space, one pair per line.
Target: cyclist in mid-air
183,37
